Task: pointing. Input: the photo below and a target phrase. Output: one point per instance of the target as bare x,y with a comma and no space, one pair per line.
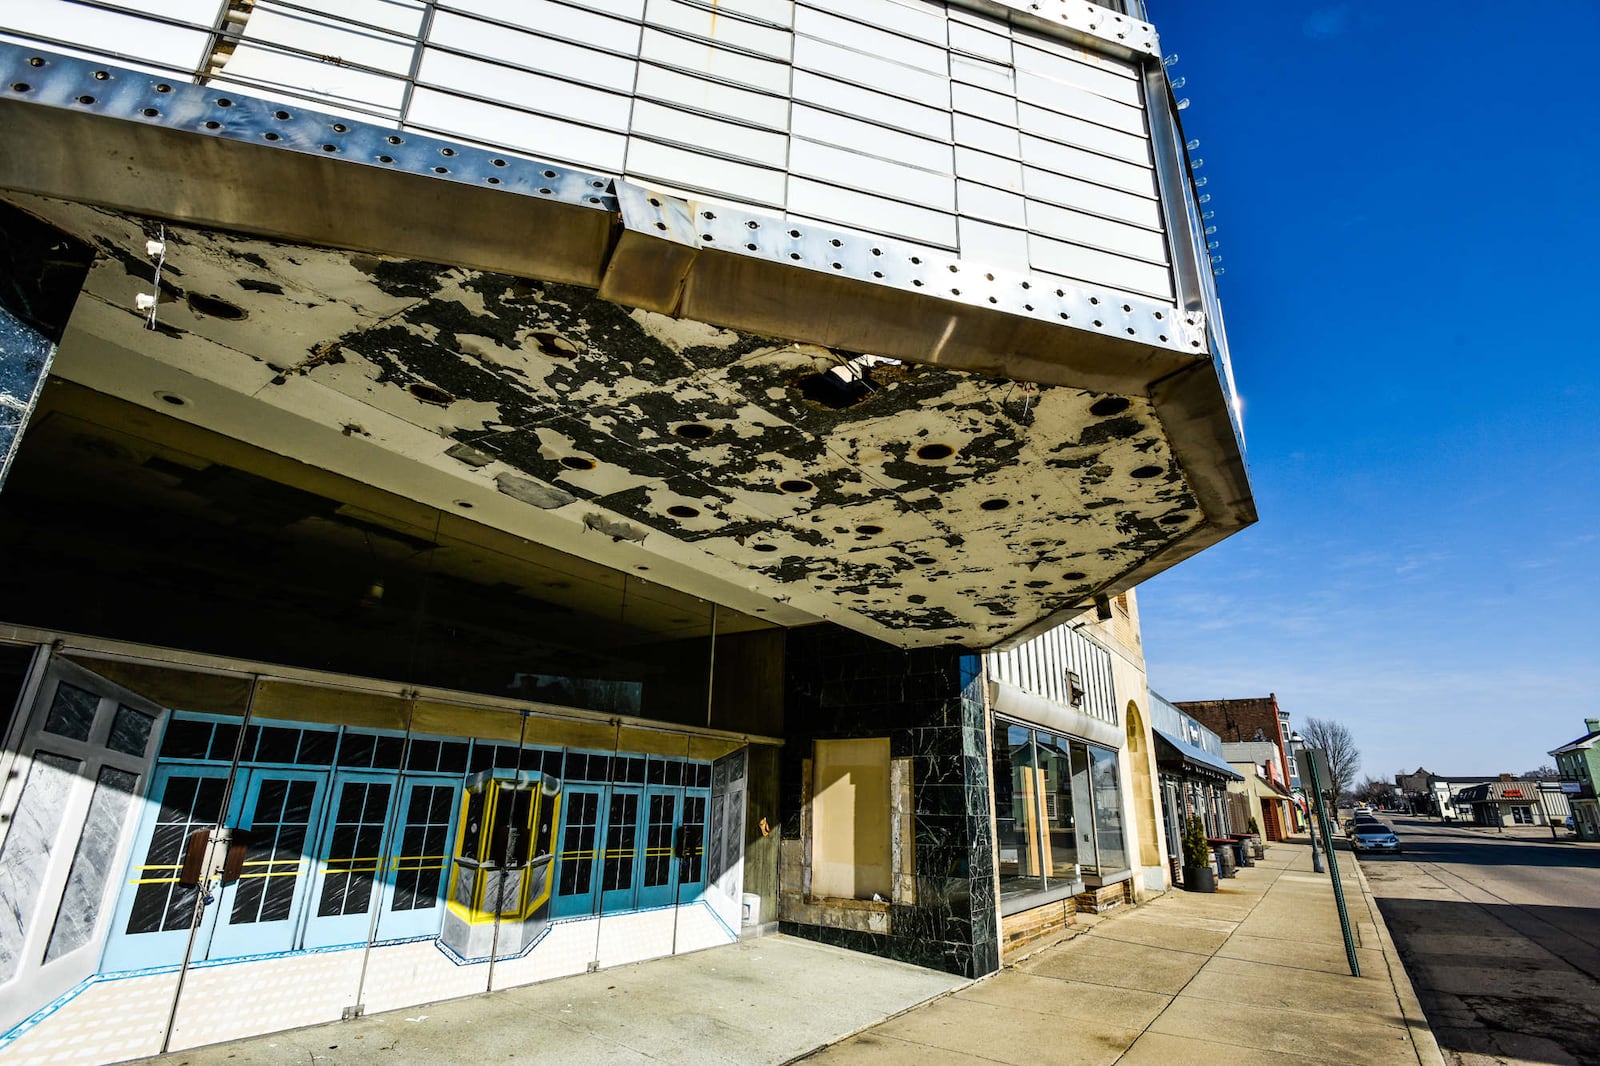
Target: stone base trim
1025,928
1102,899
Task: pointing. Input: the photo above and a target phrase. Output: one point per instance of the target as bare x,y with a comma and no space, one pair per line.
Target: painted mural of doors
261,912
372,855
413,889
350,859
627,848
151,925
73,769
620,865
577,859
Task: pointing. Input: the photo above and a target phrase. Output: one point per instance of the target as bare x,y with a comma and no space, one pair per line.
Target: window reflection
1061,846
1058,812
1016,779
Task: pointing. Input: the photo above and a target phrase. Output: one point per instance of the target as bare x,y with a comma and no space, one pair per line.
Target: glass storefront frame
1055,796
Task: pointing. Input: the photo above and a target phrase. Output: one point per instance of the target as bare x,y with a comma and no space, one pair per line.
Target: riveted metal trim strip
890,264
78,85
1076,20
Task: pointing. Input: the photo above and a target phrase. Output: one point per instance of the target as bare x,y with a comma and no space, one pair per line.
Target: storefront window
1017,787
1060,820
1058,812
1112,852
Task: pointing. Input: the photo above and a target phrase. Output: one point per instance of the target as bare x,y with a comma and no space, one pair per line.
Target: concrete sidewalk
1254,974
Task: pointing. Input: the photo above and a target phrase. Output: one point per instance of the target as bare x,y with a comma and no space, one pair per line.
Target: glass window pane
71,712
130,731
1017,786
1061,845
1108,811
1083,809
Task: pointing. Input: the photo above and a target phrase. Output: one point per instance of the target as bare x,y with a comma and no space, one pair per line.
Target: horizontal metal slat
539,135
872,72
682,53
1096,268
610,67
828,127
715,26
1066,130
849,99
896,180
1077,163
714,136
869,38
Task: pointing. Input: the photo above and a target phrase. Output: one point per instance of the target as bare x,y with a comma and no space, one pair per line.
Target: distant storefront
1194,777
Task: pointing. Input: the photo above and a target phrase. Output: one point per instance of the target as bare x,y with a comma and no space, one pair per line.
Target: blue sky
1408,200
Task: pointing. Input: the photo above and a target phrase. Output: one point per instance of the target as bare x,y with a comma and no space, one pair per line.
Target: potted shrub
1197,873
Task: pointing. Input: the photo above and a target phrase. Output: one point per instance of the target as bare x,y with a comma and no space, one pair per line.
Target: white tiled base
123,1017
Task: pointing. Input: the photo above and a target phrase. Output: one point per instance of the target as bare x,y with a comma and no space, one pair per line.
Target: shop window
1016,800
1110,849
1058,814
851,846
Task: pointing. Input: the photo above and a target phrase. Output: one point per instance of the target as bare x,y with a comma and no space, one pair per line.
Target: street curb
1422,1038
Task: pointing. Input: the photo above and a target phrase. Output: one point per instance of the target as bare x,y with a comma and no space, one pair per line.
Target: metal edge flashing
198,155
778,277
1086,24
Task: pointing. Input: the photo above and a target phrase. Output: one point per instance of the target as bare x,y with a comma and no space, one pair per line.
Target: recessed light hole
996,504
679,510
1146,471
764,547
1111,405
867,529
1074,575
214,307
933,452
795,485
694,431
430,394
172,398
577,462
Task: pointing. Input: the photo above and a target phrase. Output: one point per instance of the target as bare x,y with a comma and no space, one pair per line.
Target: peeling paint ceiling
916,503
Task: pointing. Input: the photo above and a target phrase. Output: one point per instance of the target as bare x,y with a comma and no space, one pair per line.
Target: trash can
1241,853
1225,864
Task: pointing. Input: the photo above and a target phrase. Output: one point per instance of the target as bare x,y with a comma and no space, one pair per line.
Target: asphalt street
1500,934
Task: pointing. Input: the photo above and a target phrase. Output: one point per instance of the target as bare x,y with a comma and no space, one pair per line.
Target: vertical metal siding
1040,666
940,126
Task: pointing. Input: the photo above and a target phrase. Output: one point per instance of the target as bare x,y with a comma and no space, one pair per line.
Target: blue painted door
658,868
578,851
350,859
619,866
261,912
418,865
151,923
691,846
